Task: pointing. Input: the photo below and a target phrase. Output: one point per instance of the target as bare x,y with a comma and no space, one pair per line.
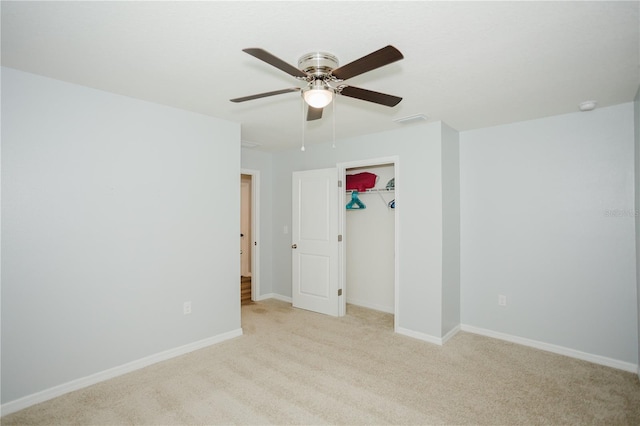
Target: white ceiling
469,64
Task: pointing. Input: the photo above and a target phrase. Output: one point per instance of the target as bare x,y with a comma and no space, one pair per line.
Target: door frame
255,231
342,229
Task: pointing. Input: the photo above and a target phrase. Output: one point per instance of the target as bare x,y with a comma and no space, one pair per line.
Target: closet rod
379,191
371,190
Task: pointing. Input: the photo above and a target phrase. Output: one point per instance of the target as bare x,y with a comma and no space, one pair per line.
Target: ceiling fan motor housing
318,64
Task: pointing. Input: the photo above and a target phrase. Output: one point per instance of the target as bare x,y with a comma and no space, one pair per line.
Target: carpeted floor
298,367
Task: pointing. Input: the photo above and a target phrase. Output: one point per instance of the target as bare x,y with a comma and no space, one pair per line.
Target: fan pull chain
302,147
334,121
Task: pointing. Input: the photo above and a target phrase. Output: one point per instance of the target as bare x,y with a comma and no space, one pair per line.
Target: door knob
294,246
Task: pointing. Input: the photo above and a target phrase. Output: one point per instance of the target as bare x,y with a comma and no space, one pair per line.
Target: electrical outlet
186,308
502,300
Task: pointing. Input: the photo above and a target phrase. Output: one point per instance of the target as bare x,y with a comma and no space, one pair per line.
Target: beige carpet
297,367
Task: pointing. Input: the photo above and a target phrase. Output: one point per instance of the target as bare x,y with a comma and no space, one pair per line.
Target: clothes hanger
355,203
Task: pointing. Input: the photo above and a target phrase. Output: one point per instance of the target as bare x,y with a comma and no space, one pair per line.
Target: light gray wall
545,220
420,208
262,161
115,211
450,229
636,116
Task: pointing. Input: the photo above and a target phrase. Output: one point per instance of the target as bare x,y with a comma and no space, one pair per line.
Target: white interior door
314,249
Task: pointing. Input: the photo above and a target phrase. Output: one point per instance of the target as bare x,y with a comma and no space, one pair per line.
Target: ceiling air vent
411,118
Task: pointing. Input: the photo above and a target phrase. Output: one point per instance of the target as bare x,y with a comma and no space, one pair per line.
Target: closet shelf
372,190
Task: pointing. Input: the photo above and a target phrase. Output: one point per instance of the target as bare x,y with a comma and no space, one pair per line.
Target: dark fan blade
263,55
370,96
374,60
314,113
264,95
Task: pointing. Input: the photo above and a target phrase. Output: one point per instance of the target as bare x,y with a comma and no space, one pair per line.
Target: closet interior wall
370,239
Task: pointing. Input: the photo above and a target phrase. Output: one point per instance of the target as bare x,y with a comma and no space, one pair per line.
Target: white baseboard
38,397
373,306
274,296
450,334
427,337
419,336
596,359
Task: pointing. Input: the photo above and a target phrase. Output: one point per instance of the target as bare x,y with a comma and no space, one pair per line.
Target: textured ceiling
469,64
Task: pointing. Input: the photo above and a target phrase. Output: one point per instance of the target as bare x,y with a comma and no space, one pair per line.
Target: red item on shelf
361,181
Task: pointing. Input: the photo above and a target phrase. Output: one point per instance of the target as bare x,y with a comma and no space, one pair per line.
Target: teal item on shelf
391,184
355,203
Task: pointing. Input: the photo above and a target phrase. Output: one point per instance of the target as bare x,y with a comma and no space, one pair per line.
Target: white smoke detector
588,105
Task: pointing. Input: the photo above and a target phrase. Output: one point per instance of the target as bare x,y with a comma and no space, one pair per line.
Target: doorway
369,256
245,239
249,232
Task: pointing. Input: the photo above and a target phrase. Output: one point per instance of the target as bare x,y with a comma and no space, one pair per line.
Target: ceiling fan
323,76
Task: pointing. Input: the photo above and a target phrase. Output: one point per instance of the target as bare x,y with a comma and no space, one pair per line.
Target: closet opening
369,218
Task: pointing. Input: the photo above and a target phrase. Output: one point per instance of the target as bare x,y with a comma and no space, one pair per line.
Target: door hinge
339,292
339,184
339,238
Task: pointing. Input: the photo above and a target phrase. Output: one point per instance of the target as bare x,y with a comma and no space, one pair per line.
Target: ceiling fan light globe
318,98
